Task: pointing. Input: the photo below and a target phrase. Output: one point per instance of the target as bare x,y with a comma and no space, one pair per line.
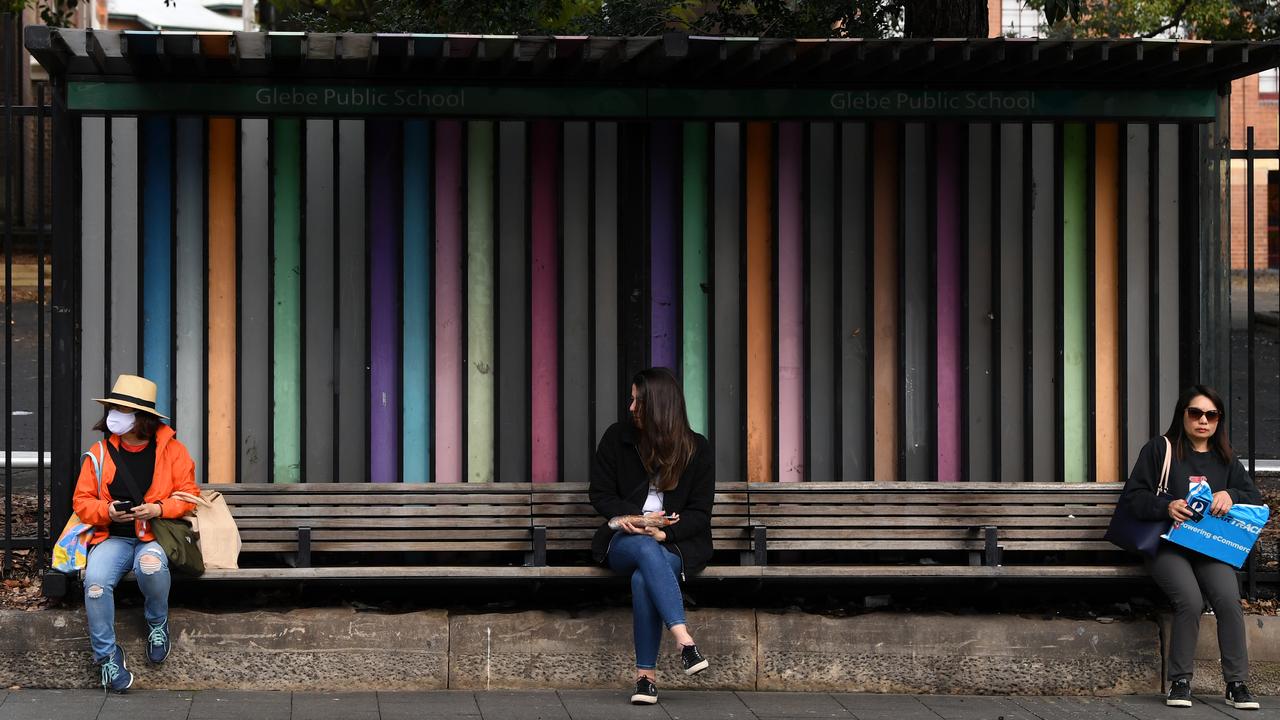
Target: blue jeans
655,592
109,561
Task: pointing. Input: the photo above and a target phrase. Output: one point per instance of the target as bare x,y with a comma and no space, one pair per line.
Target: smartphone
123,506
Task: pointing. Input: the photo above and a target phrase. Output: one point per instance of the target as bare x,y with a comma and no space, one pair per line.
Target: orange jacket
174,471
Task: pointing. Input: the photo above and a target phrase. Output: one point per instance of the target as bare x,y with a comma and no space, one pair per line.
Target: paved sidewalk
591,705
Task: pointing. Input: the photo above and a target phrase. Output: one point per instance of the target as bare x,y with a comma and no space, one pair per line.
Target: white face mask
119,422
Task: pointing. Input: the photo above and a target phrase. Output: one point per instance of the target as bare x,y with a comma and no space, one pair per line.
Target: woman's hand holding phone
120,511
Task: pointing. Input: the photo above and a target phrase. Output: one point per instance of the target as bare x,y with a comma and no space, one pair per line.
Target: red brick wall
1248,108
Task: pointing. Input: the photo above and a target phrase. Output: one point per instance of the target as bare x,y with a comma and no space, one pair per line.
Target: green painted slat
1075,309
694,282
286,338
479,313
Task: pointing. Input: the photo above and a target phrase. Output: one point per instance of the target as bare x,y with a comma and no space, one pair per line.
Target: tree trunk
946,18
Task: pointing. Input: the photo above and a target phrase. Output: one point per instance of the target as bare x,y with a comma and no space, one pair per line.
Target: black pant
1188,578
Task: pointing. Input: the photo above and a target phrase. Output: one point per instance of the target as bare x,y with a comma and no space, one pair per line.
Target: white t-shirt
653,503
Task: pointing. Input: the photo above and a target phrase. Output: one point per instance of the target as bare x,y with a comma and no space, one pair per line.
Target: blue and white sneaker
115,671
158,642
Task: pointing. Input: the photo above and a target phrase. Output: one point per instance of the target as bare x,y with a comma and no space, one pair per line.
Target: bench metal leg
991,554
304,547
759,545
538,558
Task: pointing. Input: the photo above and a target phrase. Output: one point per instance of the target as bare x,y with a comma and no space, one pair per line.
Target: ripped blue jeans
109,561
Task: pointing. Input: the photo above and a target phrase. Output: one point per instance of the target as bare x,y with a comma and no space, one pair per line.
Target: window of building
1269,84
1018,20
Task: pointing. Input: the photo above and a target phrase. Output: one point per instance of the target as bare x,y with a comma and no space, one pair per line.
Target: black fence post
64,371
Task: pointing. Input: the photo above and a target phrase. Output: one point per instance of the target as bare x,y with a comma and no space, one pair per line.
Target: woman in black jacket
1201,451
655,465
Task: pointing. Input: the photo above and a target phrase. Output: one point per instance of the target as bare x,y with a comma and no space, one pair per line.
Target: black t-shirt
141,464
1140,490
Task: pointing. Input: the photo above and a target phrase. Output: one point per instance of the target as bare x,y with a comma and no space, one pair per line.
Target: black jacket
620,485
1140,490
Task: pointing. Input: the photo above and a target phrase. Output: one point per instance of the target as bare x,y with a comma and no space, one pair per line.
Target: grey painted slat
255,304
318,298
578,445
916,329
1168,262
727,313
1012,311
189,412
353,385
608,387
1137,289
822,308
512,349
93,274
983,419
854,326
1043,307
126,288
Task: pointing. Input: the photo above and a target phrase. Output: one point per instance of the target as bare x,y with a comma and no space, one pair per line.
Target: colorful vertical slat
663,257
544,305
157,258
94,380
1014,308
123,251
222,300
253,422
188,415
948,304
578,445
1106,299
416,303
1044,305
727,305
1170,300
981,414
448,336
1075,313
884,310
1137,291
917,416
694,280
513,305
286,325
480,359
353,383
821,294
319,303
790,269
383,158
759,300
855,301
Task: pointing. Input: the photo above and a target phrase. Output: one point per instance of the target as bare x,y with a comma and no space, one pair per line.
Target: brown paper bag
213,524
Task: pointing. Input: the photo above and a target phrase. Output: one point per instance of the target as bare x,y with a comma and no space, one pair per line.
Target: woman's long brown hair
665,439
1219,443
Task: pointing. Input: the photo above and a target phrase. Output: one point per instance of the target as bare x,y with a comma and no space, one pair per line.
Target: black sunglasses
1195,413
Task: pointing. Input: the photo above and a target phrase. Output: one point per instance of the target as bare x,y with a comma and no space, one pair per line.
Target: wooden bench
933,530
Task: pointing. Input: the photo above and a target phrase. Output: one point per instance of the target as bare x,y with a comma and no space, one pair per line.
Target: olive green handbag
181,544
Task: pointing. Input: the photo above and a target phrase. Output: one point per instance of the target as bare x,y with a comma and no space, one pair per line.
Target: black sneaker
693,661
1179,694
115,671
158,642
646,692
1239,697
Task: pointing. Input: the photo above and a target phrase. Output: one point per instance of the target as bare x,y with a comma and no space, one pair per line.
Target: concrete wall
341,649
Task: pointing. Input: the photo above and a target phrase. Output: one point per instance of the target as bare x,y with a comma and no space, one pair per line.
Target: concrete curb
335,649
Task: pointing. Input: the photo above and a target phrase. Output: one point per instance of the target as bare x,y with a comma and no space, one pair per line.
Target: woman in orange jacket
142,465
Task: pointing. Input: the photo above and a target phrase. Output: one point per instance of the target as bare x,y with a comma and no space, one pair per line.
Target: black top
136,466
1140,490
620,485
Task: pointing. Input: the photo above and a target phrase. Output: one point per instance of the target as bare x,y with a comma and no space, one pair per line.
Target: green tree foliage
1199,19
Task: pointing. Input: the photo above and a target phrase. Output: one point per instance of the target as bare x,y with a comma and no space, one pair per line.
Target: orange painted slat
759,339
222,300
885,331
1106,267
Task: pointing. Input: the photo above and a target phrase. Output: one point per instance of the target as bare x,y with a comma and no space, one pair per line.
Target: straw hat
134,392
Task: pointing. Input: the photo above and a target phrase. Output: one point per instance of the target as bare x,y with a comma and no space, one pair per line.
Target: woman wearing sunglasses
1201,451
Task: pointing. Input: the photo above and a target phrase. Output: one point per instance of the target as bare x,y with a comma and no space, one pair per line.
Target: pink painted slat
544,306
790,303
448,301
949,306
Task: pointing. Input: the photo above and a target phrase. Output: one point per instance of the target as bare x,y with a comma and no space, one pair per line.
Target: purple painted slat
448,326
663,285
790,303
949,305
545,307
384,337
